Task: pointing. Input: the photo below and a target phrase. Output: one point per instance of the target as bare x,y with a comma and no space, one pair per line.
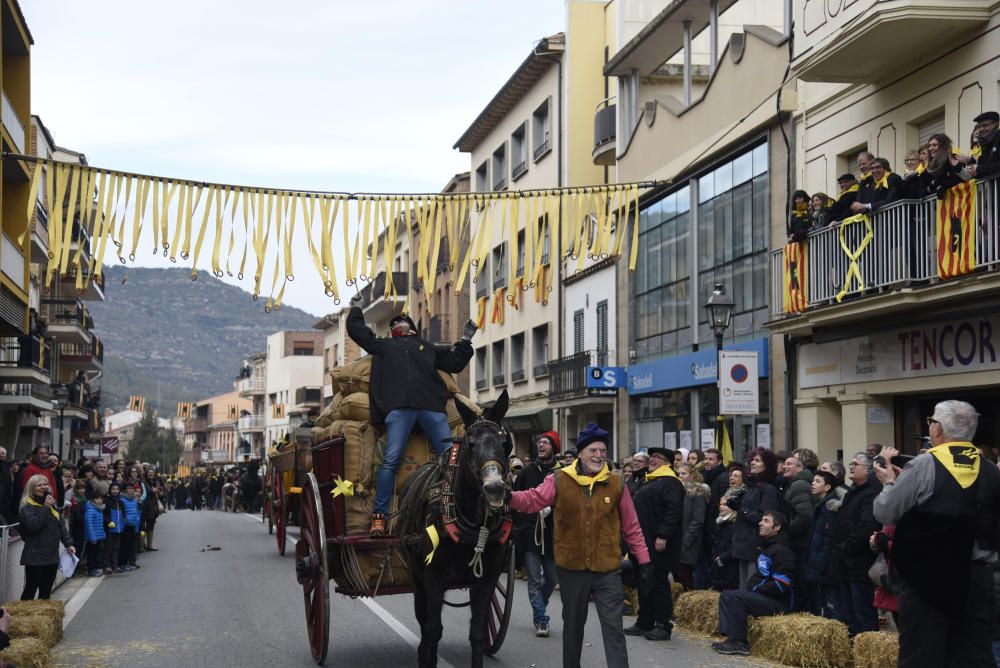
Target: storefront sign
764,435
605,377
739,390
934,349
109,445
689,370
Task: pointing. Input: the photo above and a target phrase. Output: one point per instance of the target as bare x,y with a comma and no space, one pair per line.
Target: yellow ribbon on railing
340,486
853,255
432,533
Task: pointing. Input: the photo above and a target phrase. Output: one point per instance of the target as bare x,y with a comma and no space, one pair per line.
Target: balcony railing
251,385
41,392
196,424
12,260
605,132
374,291
902,252
26,352
251,422
482,382
64,312
13,123
75,352
568,375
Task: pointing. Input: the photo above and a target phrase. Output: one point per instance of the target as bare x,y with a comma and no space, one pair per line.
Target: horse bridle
502,433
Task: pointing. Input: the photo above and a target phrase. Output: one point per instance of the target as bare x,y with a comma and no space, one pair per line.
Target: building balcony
196,425
82,357
25,359
66,320
90,291
836,44
248,387
40,234
568,375
605,132
896,271
25,395
251,423
306,399
12,262
375,304
12,123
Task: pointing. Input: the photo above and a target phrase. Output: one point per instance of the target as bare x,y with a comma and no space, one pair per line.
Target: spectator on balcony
866,181
841,208
945,168
799,219
986,149
888,188
819,210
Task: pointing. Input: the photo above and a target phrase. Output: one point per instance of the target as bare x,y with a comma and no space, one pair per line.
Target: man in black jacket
406,389
768,591
841,209
640,465
659,505
533,533
717,478
987,148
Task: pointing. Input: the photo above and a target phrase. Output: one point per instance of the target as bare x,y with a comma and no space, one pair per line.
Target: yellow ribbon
432,533
852,270
340,486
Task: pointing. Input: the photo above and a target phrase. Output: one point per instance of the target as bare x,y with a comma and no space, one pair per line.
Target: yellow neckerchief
586,480
866,177
884,181
829,202
964,472
801,210
921,168
976,151
852,189
32,502
663,472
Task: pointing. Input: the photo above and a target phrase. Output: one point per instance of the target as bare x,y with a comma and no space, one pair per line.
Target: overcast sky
333,95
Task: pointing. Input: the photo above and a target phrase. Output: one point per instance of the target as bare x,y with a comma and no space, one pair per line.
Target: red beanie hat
553,438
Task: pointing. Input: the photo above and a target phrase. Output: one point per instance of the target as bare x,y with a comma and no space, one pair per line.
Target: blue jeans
398,425
541,570
857,606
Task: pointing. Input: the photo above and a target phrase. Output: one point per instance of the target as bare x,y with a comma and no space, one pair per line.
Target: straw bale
27,653
875,649
35,626
54,609
698,611
800,639
676,589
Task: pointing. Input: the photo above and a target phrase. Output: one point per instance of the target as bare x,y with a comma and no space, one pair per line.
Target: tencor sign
739,388
934,349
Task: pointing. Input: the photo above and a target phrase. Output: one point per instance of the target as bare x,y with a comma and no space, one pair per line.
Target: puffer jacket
133,517
114,512
821,539
93,523
696,497
42,529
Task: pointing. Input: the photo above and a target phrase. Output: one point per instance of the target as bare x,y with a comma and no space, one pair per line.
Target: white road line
397,626
78,600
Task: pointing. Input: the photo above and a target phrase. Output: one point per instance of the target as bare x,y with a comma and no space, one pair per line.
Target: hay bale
27,653
875,649
676,589
35,626
53,609
800,639
698,611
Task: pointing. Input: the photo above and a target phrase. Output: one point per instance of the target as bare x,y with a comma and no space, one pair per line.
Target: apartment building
210,434
871,352
699,107
251,384
122,424
293,381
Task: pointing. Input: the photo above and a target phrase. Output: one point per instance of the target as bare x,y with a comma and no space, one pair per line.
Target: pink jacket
533,500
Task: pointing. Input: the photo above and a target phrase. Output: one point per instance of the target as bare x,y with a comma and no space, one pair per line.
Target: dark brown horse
457,527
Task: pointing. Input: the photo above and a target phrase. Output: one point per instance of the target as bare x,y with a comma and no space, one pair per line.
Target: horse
455,513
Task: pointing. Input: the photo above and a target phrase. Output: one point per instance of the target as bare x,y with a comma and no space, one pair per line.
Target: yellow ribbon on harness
432,533
853,255
345,487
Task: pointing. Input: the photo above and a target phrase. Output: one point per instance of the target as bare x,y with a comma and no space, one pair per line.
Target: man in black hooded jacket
406,389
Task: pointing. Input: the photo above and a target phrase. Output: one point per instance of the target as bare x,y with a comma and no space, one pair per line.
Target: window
578,331
546,242
499,368
500,266
519,151
517,358
540,350
541,128
930,126
500,167
414,281
602,332
521,252
482,182
302,349
482,379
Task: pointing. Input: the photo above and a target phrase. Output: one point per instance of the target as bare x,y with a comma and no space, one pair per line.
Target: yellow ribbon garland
853,271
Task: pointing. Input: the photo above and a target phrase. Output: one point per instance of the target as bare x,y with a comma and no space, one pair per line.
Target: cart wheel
498,616
268,511
312,571
280,514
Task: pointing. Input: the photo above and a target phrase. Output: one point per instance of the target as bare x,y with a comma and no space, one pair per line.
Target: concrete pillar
819,426
864,420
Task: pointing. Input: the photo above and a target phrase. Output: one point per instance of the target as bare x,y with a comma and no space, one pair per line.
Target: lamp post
720,314
62,399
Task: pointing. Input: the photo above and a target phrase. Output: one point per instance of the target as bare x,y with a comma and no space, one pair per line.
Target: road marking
78,600
397,626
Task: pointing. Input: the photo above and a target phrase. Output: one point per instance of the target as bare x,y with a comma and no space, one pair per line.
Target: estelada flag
795,296
956,230
481,313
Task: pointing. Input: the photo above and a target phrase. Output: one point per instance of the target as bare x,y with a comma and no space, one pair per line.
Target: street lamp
62,400
720,314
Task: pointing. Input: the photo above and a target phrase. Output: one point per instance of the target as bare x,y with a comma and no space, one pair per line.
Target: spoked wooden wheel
312,571
280,514
501,604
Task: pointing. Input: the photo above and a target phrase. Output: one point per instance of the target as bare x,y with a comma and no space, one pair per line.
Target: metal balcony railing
375,291
26,352
568,375
13,123
251,385
41,392
12,261
250,422
482,382
77,352
605,124
902,252
64,312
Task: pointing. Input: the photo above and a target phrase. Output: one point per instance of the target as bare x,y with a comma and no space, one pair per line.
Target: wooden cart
286,476
326,552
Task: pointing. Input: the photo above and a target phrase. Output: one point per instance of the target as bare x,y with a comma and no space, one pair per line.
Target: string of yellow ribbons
186,217
853,271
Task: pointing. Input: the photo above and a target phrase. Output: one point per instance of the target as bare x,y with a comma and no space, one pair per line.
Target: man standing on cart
405,389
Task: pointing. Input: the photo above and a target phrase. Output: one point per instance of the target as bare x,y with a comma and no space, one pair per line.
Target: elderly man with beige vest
592,510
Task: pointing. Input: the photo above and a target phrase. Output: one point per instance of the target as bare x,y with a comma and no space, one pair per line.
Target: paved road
241,605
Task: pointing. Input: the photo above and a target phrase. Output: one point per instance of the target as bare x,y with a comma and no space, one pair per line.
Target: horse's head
489,445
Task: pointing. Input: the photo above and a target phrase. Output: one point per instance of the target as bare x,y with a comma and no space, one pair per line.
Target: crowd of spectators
236,489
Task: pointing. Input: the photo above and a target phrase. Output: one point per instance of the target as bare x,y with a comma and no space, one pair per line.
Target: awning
534,420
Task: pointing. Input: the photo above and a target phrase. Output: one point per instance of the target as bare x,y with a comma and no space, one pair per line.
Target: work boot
636,630
659,632
377,529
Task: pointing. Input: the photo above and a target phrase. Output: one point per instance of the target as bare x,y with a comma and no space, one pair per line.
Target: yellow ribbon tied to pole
345,487
853,271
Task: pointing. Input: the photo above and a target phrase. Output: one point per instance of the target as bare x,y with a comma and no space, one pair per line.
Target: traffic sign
739,387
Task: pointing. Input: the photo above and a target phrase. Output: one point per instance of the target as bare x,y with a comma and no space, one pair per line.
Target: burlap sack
329,413
355,407
358,512
360,439
357,375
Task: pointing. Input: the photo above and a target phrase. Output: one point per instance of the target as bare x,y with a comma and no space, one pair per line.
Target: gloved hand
734,503
646,576
545,512
469,330
356,300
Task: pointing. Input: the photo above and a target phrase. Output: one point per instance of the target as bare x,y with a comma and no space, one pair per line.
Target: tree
152,443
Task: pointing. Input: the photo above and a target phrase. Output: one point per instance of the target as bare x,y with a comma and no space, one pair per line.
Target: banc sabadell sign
689,370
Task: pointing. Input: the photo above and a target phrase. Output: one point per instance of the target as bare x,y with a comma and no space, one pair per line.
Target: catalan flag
499,299
184,410
481,313
795,296
137,403
956,230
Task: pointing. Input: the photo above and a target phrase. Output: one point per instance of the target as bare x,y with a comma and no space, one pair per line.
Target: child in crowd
114,522
77,499
130,536
95,534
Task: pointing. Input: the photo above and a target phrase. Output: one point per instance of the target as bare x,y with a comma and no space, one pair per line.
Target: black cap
663,452
570,452
847,177
403,318
987,116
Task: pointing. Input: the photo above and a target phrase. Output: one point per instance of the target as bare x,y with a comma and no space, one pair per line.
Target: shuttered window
578,332
931,126
602,324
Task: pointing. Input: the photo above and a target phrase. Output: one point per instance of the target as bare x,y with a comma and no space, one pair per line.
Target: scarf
961,459
52,509
852,189
884,181
586,480
663,472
